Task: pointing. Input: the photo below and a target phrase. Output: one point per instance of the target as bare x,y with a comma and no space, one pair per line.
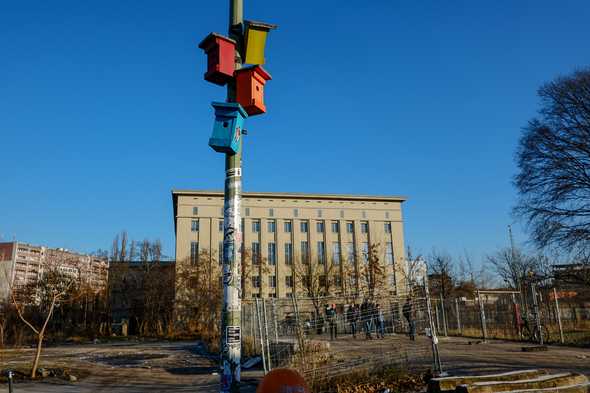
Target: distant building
22,264
572,280
335,231
141,295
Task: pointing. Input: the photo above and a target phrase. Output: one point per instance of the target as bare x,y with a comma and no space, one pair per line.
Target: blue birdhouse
227,130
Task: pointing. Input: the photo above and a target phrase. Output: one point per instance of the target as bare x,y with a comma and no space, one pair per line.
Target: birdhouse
220,52
250,83
227,129
255,40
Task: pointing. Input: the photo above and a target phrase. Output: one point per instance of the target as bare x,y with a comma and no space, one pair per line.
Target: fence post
437,364
259,320
459,327
482,317
266,334
558,313
537,313
437,317
274,317
444,315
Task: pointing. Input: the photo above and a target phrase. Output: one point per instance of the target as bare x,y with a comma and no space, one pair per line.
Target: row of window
337,281
304,247
271,212
303,226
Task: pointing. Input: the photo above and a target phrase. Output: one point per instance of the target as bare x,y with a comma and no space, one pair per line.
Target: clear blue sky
103,110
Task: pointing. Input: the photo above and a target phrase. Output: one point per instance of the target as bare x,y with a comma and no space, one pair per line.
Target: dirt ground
135,366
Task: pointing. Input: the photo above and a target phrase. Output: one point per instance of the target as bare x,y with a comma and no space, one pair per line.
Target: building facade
23,265
335,232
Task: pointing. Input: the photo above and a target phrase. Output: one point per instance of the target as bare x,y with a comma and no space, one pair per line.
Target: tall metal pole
232,238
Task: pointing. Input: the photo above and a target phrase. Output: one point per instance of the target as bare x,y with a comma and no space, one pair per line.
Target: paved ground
133,367
129,367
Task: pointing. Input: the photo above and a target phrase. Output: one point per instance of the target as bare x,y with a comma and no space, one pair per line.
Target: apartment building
23,264
282,229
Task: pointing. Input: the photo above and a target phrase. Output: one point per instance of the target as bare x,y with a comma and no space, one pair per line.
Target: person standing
331,315
380,321
408,314
351,318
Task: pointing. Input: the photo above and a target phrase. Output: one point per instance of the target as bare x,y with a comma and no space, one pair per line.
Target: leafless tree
441,273
515,268
315,279
553,158
40,299
373,274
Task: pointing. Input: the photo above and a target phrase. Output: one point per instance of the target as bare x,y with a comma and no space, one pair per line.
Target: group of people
369,315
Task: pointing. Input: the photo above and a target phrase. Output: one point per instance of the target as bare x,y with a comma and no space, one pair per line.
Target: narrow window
255,226
387,215
364,227
364,214
195,225
365,251
304,252
272,254
341,213
336,253
272,281
288,226
255,253
195,211
247,212
220,226
289,281
271,212
389,253
319,212
335,227
288,253
350,227
321,253
304,226
387,227
350,252
272,226
194,252
295,212
256,281
320,227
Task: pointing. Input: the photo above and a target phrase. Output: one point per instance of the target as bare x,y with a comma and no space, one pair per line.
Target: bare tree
553,158
314,277
441,273
41,298
373,274
515,268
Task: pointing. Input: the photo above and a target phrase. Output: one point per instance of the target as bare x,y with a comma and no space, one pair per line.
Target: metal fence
538,315
394,330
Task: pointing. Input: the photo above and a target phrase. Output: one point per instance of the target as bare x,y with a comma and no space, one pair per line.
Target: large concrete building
334,231
22,264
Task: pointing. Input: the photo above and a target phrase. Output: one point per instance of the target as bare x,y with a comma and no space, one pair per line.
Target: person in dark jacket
351,318
408,312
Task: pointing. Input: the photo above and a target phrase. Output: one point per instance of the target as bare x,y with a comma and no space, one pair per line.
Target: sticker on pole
232,335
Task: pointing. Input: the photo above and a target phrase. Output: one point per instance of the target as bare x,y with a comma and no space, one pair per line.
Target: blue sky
103,110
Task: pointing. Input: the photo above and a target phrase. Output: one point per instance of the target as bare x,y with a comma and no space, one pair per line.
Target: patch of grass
375,381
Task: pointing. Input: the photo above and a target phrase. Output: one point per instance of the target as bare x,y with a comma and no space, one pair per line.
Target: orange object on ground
283,380
250,83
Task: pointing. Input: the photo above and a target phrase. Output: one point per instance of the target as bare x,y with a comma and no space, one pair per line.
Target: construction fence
537,315
324,337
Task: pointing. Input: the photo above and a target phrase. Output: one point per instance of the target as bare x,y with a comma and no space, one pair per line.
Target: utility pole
231,340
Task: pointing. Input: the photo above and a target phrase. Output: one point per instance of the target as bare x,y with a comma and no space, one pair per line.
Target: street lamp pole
232,235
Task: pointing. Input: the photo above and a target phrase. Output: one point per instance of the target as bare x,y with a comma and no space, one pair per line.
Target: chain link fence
324,337
537,315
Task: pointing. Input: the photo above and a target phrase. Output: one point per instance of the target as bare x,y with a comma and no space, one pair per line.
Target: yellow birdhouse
255,40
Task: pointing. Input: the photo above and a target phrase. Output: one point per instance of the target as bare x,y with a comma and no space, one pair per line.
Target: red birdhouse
250,83
220,52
